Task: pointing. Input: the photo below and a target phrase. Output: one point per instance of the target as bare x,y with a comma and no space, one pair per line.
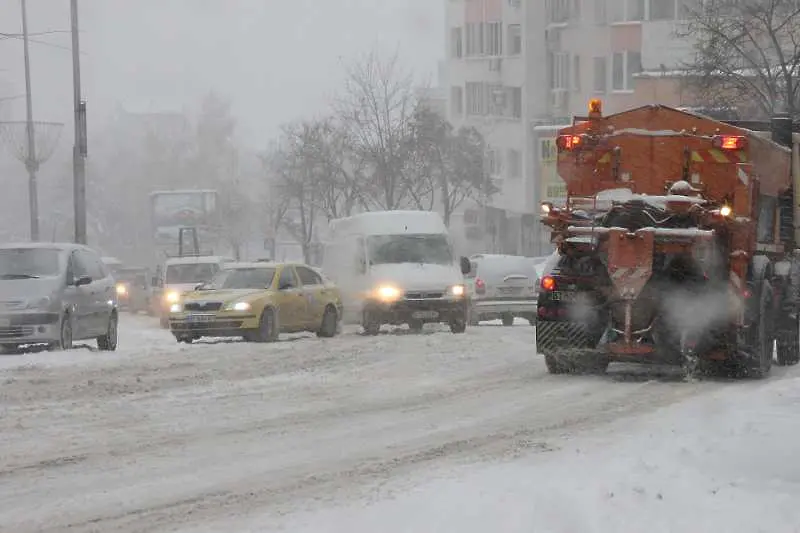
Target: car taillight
548,283
480,286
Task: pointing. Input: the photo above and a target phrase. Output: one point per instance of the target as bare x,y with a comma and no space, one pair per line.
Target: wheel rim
267,324
112,331
66,334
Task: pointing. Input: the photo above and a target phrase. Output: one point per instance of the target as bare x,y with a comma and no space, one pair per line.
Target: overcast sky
276,59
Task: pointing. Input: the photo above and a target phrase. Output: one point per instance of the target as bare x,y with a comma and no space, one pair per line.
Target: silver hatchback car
54,294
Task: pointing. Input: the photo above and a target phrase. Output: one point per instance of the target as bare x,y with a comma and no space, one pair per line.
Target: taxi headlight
172,297
175,308
456,290
388,293
238,306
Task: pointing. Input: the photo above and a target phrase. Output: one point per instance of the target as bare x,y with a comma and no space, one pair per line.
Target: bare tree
452,160
299,173
747,52
376,110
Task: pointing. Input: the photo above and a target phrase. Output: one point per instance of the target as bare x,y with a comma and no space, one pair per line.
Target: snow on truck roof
390,223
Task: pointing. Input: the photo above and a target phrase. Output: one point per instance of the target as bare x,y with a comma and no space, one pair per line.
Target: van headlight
175,308
172,297
387,293
456,290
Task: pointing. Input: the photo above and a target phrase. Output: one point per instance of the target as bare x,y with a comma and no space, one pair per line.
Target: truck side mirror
361,265
466,266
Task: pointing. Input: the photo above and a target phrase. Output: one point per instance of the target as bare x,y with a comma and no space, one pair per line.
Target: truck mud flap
561,337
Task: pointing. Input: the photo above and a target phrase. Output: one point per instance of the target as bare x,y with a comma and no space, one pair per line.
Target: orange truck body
733,176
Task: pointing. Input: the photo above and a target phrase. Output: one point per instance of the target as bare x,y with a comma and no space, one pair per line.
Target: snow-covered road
168,437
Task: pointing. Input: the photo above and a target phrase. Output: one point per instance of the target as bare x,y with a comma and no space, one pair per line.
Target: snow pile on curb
720,462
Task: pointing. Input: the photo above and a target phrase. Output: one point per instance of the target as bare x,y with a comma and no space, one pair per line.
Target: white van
397,267
182,274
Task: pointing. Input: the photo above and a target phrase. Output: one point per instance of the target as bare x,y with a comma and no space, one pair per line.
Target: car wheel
108,342
330,322
268,329
164,323
416,325
369,323
65,338
508,319
458,325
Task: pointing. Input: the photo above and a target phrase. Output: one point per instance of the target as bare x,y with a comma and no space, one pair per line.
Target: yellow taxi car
258,301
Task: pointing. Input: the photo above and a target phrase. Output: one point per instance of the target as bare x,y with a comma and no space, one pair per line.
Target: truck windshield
27,263
244,278
386,249
191,273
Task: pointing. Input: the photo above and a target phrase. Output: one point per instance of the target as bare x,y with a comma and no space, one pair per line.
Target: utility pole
80,149
30,160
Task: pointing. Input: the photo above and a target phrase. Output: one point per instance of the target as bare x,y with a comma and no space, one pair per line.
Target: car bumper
427,310
213,325
30,328
517,307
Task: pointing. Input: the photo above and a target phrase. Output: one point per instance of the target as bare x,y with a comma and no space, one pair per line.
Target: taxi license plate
424,314
5,322
560,296
200,318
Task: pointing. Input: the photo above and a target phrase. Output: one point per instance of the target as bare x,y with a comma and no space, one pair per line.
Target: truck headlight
175,308
238,306
456,290
388,293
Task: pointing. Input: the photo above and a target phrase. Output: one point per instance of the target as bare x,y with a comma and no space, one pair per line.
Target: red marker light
568,142
480,286
548,283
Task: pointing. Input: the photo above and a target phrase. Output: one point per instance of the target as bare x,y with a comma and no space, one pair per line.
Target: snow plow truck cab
675,245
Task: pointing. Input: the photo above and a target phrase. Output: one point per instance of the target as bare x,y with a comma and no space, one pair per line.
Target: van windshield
191,273
419,248
27,263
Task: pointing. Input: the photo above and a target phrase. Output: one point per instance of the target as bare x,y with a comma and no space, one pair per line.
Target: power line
44,43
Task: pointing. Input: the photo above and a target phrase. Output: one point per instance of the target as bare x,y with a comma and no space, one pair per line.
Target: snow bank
719,462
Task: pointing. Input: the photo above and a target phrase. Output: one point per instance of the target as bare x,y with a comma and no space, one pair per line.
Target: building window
494,39
626,10
514,164
457,43
600,75
600,11
576,73
494,161
474,39
457,101
497,99
624,66
514,39
475,99
557,11
516,102
559,70
662,9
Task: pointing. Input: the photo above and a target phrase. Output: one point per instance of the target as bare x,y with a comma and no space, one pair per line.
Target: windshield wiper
19,276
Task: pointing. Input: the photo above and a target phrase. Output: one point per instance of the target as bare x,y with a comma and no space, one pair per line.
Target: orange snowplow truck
675,246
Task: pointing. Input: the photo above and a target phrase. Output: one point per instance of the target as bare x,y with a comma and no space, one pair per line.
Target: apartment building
621,51
491,88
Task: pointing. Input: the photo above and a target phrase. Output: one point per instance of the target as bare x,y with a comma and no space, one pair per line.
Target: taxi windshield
244,278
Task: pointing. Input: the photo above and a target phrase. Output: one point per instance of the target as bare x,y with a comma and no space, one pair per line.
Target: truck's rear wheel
758,339
788,343
569,347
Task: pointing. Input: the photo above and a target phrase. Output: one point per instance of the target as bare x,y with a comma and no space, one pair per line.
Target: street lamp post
80,150
30,161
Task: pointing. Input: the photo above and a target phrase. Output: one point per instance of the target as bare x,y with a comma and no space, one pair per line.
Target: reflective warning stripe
718,156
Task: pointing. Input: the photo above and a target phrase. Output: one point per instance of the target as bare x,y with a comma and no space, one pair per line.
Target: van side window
91,265
308,276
